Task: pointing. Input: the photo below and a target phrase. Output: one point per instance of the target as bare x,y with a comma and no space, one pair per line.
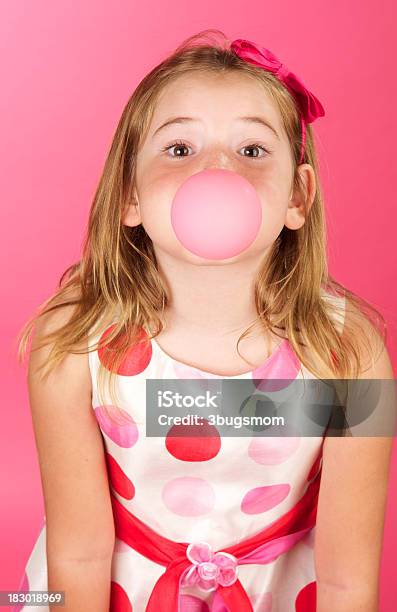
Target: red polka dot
193,442
119,601
306,600
136,358
119,481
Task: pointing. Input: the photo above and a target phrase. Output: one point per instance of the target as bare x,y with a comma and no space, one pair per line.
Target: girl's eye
179,145
256,146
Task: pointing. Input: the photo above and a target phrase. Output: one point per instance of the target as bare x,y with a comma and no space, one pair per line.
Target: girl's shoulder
51,361
49,323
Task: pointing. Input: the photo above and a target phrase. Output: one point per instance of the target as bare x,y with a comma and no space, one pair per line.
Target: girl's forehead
213,94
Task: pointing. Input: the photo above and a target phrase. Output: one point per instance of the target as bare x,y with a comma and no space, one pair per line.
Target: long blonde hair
118,271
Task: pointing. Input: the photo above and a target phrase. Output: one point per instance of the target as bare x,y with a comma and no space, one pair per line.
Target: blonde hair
118,272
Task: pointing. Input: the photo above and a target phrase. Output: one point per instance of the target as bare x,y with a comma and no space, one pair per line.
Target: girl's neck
209,299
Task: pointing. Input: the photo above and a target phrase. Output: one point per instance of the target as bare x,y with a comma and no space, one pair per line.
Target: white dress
220,492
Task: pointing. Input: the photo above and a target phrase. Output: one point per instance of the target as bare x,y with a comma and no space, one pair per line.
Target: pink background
68,69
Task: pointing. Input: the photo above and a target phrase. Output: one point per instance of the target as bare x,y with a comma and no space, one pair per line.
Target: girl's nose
216,213
218,159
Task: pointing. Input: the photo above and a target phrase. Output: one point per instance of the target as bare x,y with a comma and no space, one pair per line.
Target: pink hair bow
310,106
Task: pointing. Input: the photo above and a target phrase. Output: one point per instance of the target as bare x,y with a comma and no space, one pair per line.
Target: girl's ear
132,214
295,216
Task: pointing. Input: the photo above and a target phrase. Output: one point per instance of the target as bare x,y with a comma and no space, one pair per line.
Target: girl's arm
80,528
350,516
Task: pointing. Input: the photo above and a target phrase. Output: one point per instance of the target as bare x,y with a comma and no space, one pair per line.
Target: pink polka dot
136,358
191,603
193,442
306,600
188,496
118,425
283,364
264,498
118,479
273,450
119,601
23,586
262,602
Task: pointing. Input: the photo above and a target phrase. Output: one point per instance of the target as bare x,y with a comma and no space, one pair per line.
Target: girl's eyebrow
248,119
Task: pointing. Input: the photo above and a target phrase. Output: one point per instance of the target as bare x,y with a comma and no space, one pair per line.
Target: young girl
134,522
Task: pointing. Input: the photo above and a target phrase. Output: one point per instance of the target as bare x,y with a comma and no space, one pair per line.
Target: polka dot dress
212,489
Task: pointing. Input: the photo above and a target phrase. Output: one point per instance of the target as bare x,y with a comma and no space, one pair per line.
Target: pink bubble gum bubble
216,213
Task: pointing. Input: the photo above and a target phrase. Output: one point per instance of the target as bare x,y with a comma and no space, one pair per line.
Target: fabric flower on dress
209,569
